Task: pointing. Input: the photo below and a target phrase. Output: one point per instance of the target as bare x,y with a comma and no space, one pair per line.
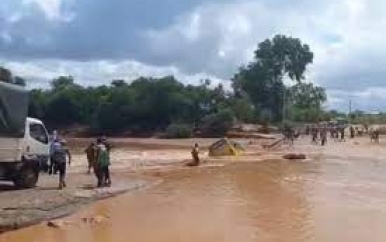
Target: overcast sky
100,40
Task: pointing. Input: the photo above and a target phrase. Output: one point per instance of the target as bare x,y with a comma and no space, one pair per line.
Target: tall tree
119,83
19,81
305,102
62,82
306,95
5,75
262,80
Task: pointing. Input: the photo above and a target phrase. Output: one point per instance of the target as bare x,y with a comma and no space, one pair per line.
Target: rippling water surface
325,200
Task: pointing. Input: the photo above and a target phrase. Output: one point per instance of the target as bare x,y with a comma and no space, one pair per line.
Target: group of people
290,134
98,157
320,133
337,133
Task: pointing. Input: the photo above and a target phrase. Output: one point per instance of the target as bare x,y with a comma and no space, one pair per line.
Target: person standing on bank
101,167
323,136
352,132
91,154
106,143
107,171
60,155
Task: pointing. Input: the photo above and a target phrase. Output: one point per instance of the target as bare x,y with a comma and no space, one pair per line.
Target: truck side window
38,133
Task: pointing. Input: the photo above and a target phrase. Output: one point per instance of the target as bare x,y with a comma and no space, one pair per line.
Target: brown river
322,200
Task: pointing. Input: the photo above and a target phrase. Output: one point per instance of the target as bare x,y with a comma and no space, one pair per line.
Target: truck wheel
27,178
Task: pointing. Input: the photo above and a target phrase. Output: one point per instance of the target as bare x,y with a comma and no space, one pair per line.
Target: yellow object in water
225,147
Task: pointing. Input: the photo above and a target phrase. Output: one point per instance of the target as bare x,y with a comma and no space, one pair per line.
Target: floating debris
57,224
95,220
292,156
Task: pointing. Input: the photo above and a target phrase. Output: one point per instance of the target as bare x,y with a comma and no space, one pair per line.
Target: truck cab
36,140
21,158
24,143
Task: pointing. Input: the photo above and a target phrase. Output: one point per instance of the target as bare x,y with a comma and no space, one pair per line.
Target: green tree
119,83
304,102
262,79
5,75
62,110
243,109
19,81
62,82
37,104
307,95
217,124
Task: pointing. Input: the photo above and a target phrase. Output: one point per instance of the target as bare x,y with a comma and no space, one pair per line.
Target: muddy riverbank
336,194
130,158
21,208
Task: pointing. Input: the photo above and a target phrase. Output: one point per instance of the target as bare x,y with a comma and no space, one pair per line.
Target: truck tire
27,177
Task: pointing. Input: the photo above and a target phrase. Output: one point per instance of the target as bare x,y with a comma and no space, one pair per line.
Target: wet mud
328,197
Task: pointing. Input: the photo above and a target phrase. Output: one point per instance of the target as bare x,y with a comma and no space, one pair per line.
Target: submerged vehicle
24,141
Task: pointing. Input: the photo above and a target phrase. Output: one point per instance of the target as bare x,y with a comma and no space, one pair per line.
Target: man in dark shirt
60,154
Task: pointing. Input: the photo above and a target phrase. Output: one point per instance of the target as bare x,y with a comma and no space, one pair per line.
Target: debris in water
292,156
57,224
94,220
192,163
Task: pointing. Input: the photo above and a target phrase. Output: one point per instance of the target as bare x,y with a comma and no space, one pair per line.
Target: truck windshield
38,133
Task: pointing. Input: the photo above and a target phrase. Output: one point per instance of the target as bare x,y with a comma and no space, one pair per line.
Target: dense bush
217,124
150,105
179,131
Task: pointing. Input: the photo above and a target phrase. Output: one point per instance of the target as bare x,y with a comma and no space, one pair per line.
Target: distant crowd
319,133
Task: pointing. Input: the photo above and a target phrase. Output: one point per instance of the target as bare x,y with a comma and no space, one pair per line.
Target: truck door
37,142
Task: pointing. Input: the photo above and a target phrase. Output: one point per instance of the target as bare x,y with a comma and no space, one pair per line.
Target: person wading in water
195,156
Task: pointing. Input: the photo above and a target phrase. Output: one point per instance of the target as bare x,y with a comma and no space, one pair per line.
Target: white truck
24,142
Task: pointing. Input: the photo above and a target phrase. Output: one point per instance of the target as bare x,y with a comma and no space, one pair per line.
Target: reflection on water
322,200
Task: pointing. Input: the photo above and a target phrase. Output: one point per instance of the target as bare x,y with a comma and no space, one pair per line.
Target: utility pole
283,108
349,110
349,107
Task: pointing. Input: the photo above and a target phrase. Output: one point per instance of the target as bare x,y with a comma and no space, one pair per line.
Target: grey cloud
40,73
353,68
219,37
369,99
212,38
98,30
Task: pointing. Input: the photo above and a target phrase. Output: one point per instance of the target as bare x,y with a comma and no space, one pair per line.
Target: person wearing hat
60,153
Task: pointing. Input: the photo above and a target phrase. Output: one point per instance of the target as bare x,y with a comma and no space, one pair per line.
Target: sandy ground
19,208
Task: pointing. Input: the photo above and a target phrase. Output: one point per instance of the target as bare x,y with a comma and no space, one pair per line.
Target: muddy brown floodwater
322,200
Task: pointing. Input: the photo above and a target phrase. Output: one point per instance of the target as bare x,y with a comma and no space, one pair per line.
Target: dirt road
19,208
